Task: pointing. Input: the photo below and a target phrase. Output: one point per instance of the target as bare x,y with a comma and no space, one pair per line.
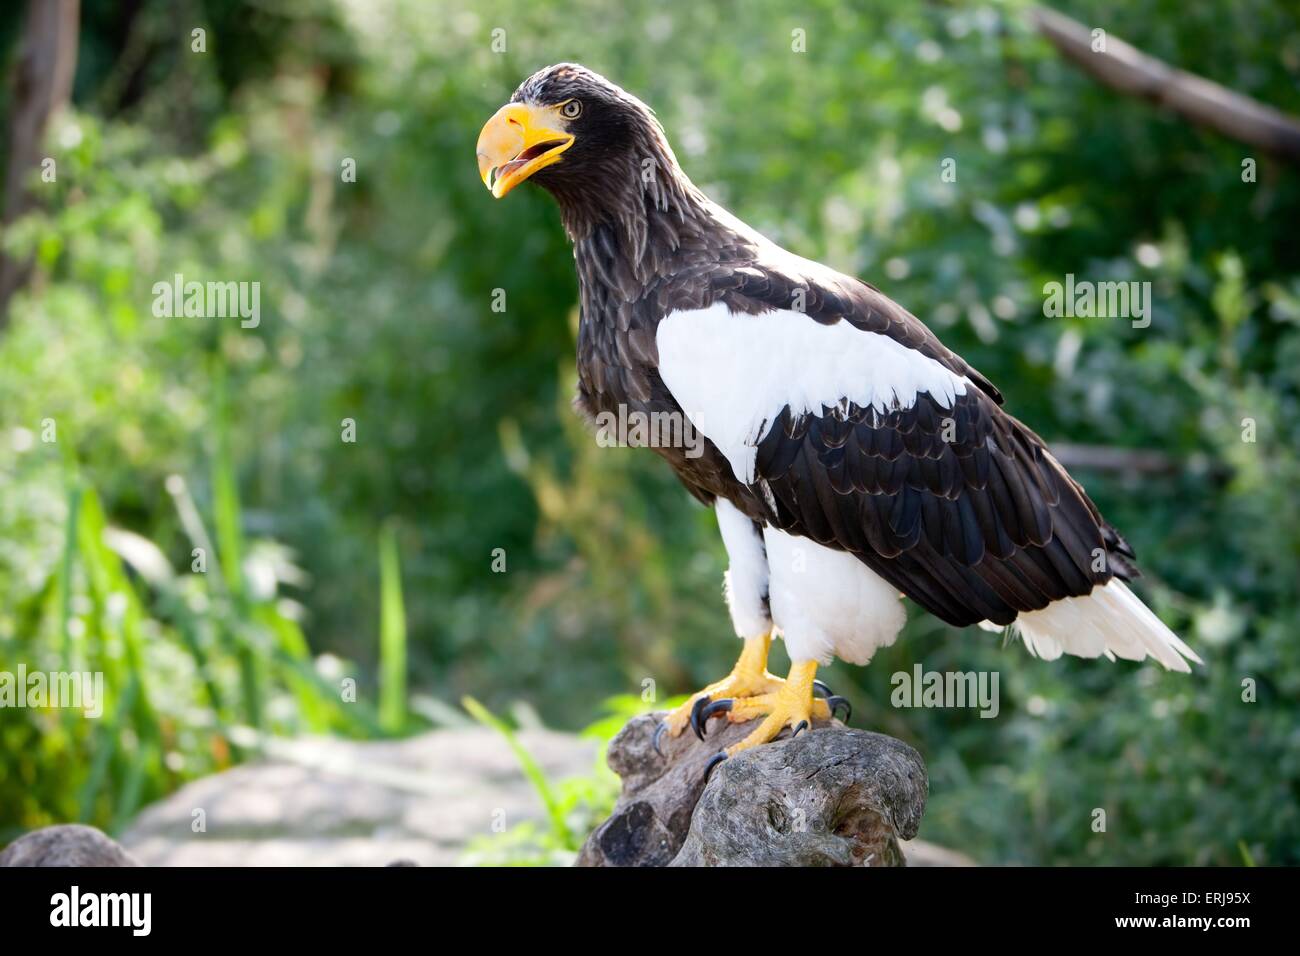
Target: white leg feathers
823,603
827,603
1110,621
745,583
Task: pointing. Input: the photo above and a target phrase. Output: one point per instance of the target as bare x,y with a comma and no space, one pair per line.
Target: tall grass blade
65,578
392,635
230,546
531,768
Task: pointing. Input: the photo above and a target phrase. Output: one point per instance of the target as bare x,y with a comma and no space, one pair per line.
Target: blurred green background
374,559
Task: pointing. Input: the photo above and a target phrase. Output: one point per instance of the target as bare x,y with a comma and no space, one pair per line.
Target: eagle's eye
571,109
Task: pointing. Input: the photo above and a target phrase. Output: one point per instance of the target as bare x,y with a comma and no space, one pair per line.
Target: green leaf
392,635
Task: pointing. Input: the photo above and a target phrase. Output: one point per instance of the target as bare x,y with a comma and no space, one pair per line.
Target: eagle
850,457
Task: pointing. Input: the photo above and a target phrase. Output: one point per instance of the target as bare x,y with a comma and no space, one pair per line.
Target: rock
833,796
839,797
328,802
69,844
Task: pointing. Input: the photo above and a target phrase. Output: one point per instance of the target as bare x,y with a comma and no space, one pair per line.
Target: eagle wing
858,429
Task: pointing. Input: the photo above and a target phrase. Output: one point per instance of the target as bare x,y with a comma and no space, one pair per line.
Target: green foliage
574,806
172,649
376,301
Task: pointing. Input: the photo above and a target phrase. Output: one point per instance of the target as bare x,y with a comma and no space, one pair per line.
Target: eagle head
597,148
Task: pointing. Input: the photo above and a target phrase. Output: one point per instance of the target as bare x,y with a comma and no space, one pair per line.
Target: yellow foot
750,692
747,679
792,705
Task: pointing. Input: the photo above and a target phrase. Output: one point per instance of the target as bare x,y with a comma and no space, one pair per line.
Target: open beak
517,142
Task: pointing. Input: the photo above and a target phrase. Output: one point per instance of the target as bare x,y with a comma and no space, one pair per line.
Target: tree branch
42,84
1120,460
1130,71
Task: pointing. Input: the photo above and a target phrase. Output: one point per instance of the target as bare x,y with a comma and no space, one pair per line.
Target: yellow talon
792,704
748,679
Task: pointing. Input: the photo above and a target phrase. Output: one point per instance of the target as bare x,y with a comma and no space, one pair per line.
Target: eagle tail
1110,621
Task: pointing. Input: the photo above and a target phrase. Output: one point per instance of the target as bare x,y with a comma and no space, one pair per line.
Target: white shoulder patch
732,373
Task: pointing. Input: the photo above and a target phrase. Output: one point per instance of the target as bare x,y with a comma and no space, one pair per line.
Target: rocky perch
833,796
67,844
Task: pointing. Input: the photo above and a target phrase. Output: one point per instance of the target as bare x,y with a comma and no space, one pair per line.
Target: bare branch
1129,70
1119,460
42,83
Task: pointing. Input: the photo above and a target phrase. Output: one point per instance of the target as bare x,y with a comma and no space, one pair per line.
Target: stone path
325,802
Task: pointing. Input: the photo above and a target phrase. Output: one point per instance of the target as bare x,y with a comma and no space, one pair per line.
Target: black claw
835,703
717,707
803,725
659,735
819,685
717,758
698,706
704,709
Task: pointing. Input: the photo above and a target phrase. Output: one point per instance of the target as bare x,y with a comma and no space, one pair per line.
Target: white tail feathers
1110,621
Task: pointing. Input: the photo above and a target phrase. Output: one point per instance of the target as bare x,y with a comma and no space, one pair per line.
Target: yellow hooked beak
517,142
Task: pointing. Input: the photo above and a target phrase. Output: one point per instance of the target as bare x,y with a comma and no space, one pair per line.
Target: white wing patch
732,373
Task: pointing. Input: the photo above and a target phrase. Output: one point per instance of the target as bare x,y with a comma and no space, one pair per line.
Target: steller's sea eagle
849,455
